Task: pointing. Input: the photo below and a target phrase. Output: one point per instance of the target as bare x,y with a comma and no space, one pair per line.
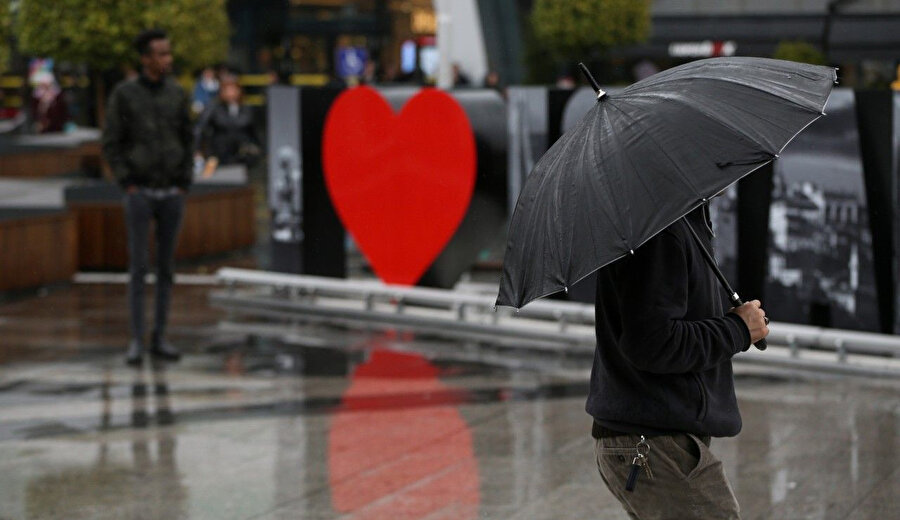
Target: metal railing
564,327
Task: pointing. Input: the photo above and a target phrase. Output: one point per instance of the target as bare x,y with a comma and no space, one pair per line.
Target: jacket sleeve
186,134
115,137
652,293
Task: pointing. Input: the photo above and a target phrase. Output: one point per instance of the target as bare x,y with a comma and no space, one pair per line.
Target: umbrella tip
591,80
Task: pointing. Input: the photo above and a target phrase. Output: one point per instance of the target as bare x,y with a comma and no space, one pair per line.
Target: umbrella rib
711,116
561,185
743,110
623,255
574,211
627,92
589,151
565,269
604,207
613,200
531,216
565,143
678,169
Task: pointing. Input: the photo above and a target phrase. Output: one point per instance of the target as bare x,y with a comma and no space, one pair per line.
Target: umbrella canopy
643,158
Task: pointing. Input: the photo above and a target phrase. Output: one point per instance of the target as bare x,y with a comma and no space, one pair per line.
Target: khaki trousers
687,480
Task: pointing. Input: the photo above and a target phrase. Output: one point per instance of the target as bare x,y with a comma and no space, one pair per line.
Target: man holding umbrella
662,379
625,193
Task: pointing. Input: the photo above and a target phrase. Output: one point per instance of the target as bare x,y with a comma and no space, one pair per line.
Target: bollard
841,350
460,310
792,346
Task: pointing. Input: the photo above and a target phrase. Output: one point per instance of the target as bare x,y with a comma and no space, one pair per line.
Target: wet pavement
317,422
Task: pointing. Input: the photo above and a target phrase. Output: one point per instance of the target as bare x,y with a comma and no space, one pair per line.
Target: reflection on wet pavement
396,452
335,423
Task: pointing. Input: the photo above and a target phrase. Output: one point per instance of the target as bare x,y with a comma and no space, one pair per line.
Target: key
636,465
640,461
643,451
647,467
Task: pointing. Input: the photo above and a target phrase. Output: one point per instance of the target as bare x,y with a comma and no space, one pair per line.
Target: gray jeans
140,208
687,480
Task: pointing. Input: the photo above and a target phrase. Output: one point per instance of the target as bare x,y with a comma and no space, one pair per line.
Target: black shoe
135,354
164,350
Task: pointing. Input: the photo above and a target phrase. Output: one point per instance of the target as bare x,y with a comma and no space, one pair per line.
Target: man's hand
755,318
131,189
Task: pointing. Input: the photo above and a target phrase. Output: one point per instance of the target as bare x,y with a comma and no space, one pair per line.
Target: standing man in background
148,143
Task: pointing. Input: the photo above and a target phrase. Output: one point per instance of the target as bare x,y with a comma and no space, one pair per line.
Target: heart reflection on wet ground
398,446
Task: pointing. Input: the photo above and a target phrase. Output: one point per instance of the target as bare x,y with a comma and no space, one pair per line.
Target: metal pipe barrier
545,325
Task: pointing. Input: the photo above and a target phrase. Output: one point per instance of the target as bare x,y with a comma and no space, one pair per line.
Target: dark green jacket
148,138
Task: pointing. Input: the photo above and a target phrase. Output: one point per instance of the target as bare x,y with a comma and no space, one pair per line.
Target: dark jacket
223,135
52,116
664,342
148,138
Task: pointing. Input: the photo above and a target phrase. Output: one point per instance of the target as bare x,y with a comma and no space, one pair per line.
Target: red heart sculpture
401,183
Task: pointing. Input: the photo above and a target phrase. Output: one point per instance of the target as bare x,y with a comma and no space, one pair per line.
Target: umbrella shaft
733,296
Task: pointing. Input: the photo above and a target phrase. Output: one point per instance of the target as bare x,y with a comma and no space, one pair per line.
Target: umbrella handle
737,302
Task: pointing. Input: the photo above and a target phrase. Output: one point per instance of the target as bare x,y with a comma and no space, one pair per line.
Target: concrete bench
37,247
218,218
48,155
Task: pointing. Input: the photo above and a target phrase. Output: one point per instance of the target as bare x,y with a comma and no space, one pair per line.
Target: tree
575,30
99,32
799,51
4,35
199,30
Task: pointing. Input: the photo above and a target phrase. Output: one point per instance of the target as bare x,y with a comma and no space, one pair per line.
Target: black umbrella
645,157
